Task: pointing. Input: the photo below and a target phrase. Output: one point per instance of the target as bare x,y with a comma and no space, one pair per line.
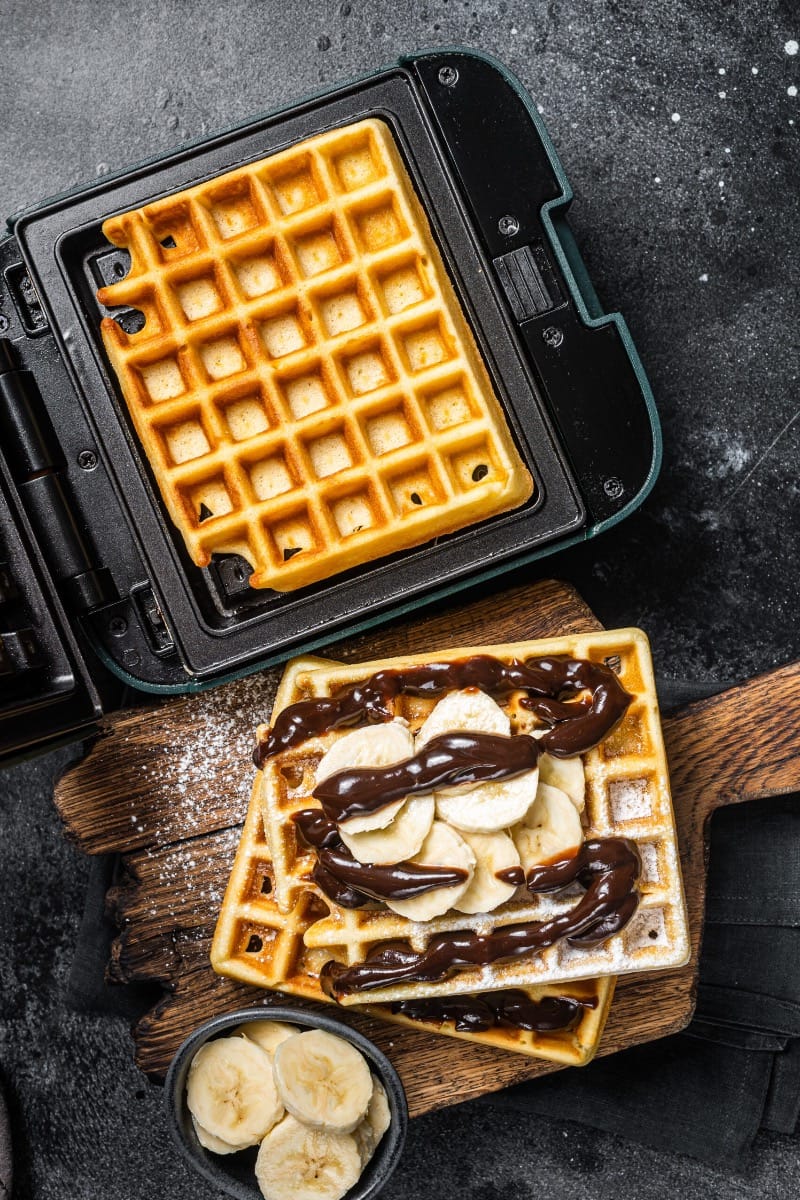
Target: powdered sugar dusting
200,778
648,928
649,856
189,878
630,799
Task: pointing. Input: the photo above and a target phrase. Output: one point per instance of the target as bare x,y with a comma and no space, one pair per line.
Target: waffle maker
93,575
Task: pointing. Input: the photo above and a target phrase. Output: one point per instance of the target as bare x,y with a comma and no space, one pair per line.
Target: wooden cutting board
167,786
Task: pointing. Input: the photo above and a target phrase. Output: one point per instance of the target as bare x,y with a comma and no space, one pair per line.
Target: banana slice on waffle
374,746
484,807
443,847
402,841
551,829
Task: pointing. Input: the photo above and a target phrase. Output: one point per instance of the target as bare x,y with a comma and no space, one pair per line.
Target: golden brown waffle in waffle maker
436,368
256,943
627,797
305,385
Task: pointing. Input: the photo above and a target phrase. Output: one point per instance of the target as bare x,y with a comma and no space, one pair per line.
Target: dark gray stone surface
689,226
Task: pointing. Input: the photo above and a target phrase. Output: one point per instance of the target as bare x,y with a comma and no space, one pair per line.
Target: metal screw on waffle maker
452,829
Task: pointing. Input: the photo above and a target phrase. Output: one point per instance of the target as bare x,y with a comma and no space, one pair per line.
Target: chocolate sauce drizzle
351,883
474,1014
574,727
607,867
449,760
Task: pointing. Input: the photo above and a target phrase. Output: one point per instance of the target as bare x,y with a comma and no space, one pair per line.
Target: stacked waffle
304,384
560,834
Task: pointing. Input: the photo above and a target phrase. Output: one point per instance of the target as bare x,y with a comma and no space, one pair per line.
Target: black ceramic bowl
235,1173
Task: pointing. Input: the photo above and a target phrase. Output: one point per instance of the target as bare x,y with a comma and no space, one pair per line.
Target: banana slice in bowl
266,1034
231,1091
377,1120
339,1137
323,1081
296,1162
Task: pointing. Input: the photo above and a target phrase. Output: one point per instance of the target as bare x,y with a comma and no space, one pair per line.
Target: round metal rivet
552,336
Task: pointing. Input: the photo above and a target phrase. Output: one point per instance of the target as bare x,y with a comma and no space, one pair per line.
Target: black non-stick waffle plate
113,573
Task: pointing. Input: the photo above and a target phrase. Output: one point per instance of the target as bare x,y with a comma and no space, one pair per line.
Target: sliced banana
379,1115
365,1141
323,1080
298,1163
493,852
214,1144
400,841
485,807
470,710
443,847
551,829
374,1125
567,774
266,1034
488,807
231,1092
372,746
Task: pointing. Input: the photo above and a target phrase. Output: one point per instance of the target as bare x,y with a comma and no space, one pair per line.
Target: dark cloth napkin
705,1092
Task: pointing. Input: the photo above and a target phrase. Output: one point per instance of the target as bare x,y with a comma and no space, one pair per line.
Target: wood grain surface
167,786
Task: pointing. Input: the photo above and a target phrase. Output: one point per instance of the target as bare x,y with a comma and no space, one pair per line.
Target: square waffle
627,796
305,384
256,943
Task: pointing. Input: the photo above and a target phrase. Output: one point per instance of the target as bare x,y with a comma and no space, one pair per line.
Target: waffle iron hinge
28,446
